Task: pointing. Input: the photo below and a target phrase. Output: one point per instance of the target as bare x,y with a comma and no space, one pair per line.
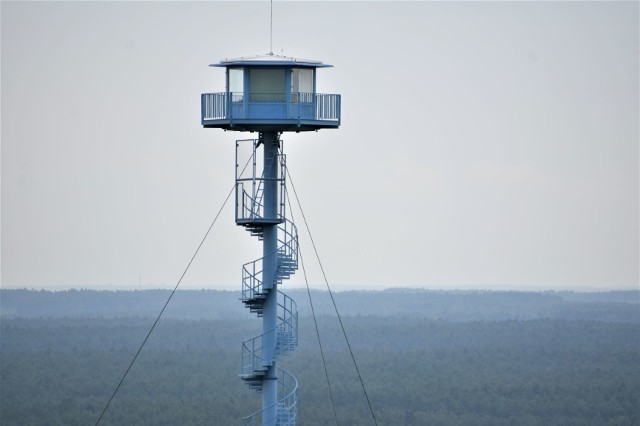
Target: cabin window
267,85
301,85
236,84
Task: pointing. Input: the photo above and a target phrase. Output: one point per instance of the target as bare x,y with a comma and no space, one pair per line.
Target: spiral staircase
257,357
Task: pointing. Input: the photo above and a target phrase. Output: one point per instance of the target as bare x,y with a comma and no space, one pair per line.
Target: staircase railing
250,213
253,363
286,407
250,201
287,264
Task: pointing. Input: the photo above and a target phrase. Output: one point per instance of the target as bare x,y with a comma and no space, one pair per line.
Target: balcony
271,111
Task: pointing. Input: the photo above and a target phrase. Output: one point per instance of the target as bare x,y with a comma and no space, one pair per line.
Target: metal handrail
288,326
286,407
250,211
292,106
252,286
249,205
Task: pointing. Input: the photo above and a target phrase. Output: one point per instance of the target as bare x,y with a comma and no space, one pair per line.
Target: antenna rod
271,30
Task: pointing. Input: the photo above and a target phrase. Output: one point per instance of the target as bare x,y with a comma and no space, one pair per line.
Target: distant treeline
426,358
617,306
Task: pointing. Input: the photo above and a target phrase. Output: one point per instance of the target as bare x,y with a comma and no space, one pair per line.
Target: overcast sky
483,145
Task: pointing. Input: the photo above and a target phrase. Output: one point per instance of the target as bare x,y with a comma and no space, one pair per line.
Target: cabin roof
270,60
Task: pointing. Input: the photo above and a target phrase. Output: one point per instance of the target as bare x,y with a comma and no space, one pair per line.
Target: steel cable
364,390
315,321
166,303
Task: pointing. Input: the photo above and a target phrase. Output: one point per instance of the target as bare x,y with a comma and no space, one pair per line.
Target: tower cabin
270,93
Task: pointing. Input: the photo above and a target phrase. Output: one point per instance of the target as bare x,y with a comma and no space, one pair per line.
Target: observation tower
269,94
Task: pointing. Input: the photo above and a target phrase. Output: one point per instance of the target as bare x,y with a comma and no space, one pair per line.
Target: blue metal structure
269,94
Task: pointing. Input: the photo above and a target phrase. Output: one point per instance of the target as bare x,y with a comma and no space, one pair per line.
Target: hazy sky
484,144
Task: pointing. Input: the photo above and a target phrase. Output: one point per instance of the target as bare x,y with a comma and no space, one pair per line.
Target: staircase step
254,306
255,299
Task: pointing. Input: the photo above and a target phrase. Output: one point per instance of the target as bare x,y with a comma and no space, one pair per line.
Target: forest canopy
426,357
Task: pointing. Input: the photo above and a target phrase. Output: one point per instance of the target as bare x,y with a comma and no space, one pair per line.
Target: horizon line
342,288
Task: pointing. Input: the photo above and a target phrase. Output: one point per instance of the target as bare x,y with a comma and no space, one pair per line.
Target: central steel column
269,141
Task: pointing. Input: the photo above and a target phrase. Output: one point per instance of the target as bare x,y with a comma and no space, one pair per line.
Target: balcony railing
266,106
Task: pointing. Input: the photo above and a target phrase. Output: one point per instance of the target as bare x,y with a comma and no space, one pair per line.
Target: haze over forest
426,357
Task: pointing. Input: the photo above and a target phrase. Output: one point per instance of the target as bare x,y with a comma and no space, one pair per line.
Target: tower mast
269,94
